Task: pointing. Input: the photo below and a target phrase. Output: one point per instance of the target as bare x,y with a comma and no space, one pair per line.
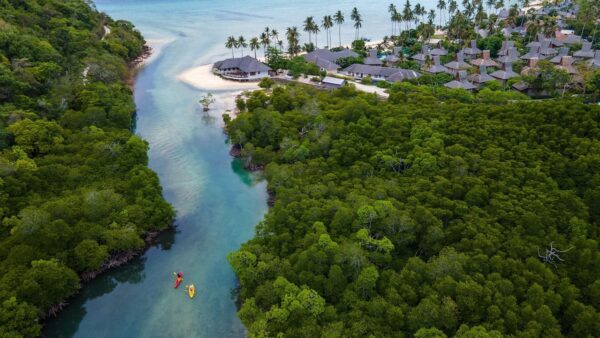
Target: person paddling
191,290
178,278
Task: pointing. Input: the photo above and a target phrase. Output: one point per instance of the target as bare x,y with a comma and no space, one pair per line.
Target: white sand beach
156,46
202,78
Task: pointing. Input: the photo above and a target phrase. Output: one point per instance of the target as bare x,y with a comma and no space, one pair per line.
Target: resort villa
326,59
245,68
379,73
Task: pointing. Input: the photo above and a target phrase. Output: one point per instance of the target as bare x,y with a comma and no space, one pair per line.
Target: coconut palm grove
441,181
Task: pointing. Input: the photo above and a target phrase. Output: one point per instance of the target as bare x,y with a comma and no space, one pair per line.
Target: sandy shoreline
203,79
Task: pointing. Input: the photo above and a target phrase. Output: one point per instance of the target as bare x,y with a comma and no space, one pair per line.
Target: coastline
115,261
202,78
118,259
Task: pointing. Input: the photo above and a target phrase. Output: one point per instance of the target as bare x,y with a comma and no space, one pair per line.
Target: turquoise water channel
218,204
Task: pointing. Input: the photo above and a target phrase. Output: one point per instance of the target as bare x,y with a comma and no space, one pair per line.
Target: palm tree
265,41
398,19
431,16
452,7
275,35
441,5
338,17
418,13
254,45
293,38
242,43
230,44
308,27
327,24
355,16
392,10
316,30
407,14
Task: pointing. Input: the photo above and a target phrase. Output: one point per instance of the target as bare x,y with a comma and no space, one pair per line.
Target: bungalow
329,82
595,62
422,56
505,73
326,60
566,64
563,51
245,68
565,37
471,52
485,60
402,75
458,64
482,77
534,52
378,73
545,50
460,82
586,51
439,50
372,59
395,56
531,67
506,46
436,67
511,56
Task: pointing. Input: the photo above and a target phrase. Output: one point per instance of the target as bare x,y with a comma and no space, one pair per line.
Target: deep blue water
218,204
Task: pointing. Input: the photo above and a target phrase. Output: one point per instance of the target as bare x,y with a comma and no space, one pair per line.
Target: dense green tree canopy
74,185
428,214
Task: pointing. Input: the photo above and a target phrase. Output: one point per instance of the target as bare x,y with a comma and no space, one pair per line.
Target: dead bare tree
552,255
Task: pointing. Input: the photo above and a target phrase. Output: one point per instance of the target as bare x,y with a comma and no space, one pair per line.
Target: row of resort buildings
383,69
483,67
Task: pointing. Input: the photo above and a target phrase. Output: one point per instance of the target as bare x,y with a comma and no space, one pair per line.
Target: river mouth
218,203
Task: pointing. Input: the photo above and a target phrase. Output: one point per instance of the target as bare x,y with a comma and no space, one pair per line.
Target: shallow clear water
218,204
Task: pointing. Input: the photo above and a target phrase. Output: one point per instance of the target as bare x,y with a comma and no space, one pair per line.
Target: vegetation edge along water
434,213
75,188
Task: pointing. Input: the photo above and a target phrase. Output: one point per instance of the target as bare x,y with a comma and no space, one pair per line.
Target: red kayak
178,279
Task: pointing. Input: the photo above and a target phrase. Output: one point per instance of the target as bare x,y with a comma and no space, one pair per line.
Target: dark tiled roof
512,55
506,73
325,54
246,64
482,76
586,51
458,63
562,52
595,62
389,73
455,84
403,74
472,50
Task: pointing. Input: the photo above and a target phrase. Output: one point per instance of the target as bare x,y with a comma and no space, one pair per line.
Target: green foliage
547,79
266,83
359,47
18,319
493,43
299,66
74,186
367,80
349,61
421,215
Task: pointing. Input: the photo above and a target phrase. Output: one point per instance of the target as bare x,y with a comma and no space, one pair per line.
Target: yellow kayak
191,291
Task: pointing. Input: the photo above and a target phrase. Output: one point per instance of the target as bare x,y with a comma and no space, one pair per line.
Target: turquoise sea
218,203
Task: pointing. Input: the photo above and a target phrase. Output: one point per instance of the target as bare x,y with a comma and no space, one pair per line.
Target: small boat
178,279
191,291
